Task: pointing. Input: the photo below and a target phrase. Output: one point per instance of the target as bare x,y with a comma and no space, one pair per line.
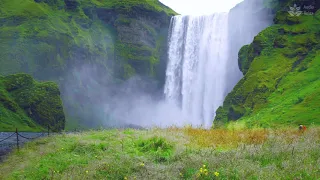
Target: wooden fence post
17,139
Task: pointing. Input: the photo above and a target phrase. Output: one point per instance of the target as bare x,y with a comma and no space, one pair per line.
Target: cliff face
29,105
55,39
47,37
141,40
245,21
281,72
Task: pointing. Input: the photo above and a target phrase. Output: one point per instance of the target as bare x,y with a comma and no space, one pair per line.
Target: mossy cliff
47,37
53,39
29,105
281,82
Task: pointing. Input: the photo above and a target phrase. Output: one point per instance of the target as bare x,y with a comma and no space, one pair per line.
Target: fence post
48,130
17,138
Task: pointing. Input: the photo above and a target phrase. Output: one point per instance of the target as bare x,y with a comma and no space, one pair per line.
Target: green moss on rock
27,98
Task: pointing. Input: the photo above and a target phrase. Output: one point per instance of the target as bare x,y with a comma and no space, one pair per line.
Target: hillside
281,82
56,39
29,105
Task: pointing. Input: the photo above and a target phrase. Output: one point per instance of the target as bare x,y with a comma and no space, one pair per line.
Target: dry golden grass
223,138
226,139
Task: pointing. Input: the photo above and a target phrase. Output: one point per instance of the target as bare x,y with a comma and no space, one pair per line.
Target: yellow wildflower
180,174
204,166
87,171
216,174
125,178
142,164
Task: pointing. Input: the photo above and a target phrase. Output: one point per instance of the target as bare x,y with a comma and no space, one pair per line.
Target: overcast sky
200,7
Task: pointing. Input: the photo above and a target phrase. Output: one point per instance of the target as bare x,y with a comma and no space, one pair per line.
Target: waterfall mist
105,101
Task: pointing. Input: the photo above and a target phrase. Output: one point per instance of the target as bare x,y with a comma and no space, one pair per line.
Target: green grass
9,121
127,5
169,153
298,103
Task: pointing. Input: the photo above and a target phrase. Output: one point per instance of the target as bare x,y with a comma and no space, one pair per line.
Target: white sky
200,7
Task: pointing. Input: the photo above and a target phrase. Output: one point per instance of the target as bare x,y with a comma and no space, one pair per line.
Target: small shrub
82,148
157,146
299,100
280,42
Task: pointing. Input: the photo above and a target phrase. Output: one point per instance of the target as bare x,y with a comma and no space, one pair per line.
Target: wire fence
31,138
7,137
19,137
11,140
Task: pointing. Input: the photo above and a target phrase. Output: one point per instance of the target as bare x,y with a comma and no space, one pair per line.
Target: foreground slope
169,154
281,83
29,105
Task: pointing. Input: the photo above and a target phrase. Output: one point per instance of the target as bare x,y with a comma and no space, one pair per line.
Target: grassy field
170,154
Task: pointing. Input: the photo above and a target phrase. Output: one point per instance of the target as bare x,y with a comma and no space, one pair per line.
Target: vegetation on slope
29,105
129,5
169,154
281,82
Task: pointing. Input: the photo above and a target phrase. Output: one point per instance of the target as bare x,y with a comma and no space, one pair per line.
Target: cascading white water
196,71
202,58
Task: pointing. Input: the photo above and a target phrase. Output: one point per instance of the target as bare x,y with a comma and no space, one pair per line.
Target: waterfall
198,52
202,63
